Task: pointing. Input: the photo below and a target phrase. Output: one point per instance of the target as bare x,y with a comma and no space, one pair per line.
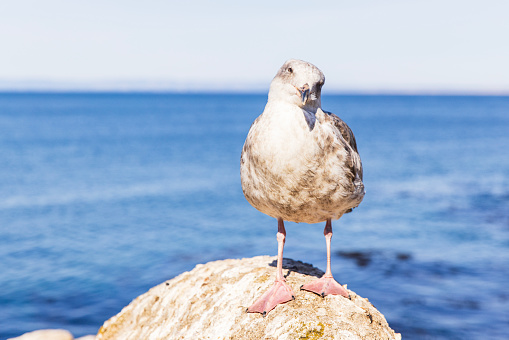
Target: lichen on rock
210,302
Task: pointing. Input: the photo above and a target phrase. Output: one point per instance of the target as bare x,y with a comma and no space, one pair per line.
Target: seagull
300,164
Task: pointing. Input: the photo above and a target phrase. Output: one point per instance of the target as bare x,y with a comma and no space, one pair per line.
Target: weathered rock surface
210,302
46,334
51,334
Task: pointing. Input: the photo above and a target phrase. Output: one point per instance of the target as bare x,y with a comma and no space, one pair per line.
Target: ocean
104,195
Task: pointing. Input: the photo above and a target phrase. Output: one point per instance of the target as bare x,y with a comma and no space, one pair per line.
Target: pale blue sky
393,45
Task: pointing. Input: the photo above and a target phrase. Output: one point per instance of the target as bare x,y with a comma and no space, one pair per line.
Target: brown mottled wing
344,129
349,138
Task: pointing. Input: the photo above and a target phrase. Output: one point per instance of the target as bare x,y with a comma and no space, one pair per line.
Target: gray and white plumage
300,163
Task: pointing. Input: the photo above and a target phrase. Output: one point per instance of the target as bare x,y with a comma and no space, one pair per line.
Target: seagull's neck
288,113
311,107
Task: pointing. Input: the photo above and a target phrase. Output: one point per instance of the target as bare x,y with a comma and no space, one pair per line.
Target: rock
51,334
210,302
46,334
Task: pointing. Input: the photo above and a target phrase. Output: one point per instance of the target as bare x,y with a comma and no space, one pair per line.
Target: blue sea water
103,196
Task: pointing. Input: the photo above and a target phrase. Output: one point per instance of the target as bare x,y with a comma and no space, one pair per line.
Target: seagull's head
298,82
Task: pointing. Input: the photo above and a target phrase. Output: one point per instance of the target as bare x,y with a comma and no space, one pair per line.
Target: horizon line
148,86
445,93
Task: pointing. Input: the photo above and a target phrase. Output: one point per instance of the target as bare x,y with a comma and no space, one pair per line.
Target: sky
361,46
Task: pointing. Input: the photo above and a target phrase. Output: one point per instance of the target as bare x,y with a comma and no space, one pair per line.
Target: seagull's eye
290,70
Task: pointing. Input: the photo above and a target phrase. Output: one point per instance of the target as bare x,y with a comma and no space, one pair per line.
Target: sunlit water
103,196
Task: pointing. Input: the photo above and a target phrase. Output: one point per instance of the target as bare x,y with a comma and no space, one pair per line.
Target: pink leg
280,291
326,284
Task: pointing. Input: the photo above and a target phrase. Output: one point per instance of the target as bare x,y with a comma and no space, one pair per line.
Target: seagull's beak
304,93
